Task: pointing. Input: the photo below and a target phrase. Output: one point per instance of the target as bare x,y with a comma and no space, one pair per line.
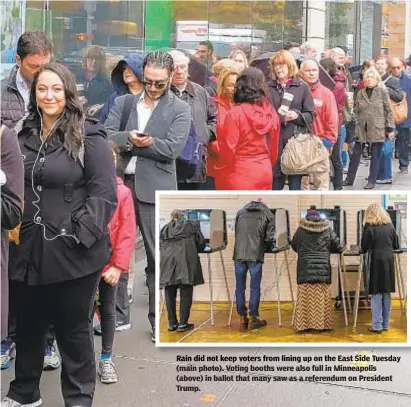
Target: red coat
122,229
223,105
248,147
325,125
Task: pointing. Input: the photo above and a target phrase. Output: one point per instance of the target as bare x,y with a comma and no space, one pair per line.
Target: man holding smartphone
156,132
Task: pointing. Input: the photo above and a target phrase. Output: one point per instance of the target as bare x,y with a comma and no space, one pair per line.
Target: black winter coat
11,209
64,198
302,103
394,88
381,241
254,230
12,103
180,242
314,242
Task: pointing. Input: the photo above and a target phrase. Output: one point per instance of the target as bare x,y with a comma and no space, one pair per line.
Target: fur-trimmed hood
316,227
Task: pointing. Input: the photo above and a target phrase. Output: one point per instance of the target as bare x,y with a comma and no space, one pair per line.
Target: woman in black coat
381,239
286,82
180,267
314,241
12,188
69,198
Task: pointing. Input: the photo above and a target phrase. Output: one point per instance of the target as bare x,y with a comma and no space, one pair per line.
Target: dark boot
243,323
257,323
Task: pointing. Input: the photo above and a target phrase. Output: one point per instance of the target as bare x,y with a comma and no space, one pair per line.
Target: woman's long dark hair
251,86
70,130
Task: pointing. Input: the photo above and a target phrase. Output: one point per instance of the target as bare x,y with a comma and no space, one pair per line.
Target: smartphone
141,135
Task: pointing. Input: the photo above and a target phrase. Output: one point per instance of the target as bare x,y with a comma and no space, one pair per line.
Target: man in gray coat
156,132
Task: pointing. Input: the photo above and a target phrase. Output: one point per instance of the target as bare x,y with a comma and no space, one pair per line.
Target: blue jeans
403,139
344,154
256,272
380,309
385,171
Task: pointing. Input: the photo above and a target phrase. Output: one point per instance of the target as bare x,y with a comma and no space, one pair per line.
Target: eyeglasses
397,68
156,84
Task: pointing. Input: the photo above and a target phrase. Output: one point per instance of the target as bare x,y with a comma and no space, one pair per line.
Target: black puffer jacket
314,242
12,103
254,229
180,242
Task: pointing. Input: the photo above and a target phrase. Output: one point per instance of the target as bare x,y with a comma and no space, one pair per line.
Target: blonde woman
375,123
240,58
211,85
381,239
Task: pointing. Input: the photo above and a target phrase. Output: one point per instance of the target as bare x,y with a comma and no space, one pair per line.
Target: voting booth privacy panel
295,205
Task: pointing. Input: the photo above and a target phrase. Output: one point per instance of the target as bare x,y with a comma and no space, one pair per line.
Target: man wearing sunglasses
156,132
404,129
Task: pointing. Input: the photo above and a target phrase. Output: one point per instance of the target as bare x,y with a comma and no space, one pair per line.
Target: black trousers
69,307
337,164
107,299
122,301
376,159
146,221
186,300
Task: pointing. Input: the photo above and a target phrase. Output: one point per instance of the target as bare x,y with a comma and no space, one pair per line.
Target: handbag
304,154
399,109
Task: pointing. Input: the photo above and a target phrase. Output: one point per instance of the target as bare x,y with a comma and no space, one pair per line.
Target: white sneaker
123,327
51,358
107,371
8,402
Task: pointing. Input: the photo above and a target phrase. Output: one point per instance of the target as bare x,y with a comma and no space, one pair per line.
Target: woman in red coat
248,140
224,102
123,231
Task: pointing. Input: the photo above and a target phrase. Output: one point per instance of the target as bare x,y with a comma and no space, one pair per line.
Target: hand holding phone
140,139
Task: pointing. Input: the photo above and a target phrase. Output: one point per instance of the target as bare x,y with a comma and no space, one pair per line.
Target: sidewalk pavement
147,375
401,182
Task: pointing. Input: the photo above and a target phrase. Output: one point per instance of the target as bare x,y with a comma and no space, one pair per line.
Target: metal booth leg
342,290
290,285
211,290
226,286
401,279
344,271
278,288
398,272
357,290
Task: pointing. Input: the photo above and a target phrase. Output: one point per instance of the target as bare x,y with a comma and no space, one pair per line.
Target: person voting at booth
314,241
380,237
180,267
254,230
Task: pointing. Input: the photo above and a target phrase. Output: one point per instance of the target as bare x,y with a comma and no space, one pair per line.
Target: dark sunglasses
156,84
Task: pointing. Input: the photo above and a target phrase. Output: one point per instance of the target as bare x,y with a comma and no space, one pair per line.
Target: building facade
365,28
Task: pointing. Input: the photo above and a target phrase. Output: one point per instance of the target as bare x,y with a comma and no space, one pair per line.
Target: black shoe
348,183
97,330
185,327
375,330
173,327
153,334
369,186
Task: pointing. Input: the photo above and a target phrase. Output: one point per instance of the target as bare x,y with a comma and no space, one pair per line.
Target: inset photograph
266,268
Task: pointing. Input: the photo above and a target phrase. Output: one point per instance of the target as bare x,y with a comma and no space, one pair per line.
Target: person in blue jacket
403,129
127,77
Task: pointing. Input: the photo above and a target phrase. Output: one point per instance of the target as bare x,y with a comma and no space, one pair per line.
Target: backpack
191,159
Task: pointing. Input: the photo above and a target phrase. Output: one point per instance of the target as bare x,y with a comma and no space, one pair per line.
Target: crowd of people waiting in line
77,223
